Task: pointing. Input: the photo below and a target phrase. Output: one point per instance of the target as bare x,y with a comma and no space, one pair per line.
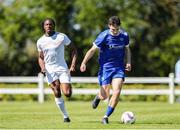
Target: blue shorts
106,75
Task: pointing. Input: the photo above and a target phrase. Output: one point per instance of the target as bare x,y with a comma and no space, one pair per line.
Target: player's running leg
67,91
103,94
95,102
116,88
55,86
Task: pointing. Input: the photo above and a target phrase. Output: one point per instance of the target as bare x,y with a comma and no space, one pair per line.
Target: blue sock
109,111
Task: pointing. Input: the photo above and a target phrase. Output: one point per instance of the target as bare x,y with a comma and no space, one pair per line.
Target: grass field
31,115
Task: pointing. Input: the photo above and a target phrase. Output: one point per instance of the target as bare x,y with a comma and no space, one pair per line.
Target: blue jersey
112,48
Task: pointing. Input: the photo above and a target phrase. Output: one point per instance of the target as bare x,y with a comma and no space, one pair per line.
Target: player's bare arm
41,62
73,56
128,58
88,56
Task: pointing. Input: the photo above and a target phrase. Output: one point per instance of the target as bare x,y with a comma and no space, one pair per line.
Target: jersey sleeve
127,39
66,40
100,39
38,46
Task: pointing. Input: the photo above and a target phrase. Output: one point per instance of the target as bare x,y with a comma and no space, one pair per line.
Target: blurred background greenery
153,27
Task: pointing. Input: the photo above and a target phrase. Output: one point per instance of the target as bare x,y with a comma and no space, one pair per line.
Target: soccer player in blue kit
114,59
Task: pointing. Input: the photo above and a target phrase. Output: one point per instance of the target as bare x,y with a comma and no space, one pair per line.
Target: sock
61,106
109,111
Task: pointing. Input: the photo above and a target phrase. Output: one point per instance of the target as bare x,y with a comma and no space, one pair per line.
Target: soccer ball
128,117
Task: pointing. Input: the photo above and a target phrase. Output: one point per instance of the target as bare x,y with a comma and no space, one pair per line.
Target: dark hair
50,19
114,20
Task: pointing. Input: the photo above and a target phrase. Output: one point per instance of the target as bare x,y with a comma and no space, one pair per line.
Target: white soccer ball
128,117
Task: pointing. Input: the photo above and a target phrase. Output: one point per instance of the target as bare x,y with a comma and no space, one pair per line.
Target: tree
21,27
153,27
150,24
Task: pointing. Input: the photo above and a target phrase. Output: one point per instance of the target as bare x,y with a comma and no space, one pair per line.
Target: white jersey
53,50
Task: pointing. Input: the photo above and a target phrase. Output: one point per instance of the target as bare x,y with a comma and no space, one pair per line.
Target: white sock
105,116
61,106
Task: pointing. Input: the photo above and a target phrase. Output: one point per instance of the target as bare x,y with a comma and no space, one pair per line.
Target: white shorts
63,76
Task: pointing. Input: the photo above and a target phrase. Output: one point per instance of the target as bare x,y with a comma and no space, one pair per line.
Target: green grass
31,115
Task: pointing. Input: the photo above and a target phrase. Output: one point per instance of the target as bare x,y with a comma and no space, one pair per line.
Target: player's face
114,29
48,26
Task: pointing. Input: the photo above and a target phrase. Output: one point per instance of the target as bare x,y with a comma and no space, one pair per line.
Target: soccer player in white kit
53,65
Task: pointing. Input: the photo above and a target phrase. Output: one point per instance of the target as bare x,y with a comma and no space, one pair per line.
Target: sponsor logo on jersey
121,39
115,47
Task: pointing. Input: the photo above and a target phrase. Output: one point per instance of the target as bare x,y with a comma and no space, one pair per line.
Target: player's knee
116,92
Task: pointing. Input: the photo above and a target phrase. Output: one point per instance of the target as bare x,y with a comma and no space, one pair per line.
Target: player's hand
128,67
72,68
43,71
83,67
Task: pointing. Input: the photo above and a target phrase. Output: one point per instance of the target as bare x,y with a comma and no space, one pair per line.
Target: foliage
21,27
150,24
153,27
